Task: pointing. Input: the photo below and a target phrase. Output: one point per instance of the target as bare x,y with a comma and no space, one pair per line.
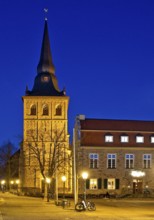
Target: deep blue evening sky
103,51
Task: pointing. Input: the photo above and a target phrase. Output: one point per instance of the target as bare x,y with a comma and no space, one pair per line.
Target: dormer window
108,138
152,139
45,110
124,138
58,110
33,110
139,138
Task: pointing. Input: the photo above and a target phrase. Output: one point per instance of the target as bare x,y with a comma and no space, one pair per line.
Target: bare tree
49,153
9,164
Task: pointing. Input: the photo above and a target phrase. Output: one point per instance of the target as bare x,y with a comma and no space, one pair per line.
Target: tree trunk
46,193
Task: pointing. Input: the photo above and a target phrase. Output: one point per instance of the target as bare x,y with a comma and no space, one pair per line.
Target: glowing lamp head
48,180
3,182
63,178
84,175
17,181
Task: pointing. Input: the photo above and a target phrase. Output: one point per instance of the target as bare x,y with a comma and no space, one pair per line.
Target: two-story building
118,155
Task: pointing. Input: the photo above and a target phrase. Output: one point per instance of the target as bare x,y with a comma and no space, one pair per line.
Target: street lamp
84,176
64,180
11,182
3,185
17,182
48,181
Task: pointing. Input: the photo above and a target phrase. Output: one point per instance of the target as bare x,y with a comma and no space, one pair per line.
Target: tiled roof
117,125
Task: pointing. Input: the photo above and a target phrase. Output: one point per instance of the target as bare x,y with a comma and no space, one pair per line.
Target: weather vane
46,11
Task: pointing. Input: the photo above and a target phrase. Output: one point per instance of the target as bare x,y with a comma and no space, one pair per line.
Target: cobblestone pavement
14,207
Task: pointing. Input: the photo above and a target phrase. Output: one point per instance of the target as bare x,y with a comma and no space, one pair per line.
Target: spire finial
45,63
46,11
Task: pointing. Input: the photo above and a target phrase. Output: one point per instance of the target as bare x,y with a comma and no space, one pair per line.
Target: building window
139,139
45,78
33,110
152,139
58,110
108,138
111,184
93,163
147,161
111,161
93,184
45,110
129,161
124,138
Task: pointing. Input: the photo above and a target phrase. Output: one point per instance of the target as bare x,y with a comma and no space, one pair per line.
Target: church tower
45,153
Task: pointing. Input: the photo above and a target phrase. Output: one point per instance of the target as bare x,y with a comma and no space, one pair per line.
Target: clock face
45,79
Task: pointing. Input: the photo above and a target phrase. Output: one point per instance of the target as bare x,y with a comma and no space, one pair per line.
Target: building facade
45,150
118,155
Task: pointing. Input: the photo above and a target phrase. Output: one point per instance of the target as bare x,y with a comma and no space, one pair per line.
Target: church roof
45,83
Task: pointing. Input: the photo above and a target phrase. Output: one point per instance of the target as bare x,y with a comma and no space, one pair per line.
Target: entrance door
137,186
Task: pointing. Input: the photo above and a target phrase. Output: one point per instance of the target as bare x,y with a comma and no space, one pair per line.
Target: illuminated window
93,161
93,184
58,110
108,138
124,138
45,79
139,139
111,161
111,184
45,110
147,161
152,139
129,161
33,110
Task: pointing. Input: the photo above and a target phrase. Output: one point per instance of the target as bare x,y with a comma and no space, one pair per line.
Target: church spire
45,63
45,83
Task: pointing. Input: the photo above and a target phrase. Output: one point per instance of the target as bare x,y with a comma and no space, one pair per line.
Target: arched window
58,110
33,110
45,110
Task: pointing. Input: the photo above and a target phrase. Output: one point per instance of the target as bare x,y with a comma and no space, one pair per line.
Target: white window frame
139,139
93,184
94,157
109,138
113,158
129,158
124,139
152,139
148,159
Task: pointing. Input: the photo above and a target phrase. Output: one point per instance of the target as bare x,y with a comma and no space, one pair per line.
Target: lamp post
64,180
17,182
11,182
84,176
48,181
3,185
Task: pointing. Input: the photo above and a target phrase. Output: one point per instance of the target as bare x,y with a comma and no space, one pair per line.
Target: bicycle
83,205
